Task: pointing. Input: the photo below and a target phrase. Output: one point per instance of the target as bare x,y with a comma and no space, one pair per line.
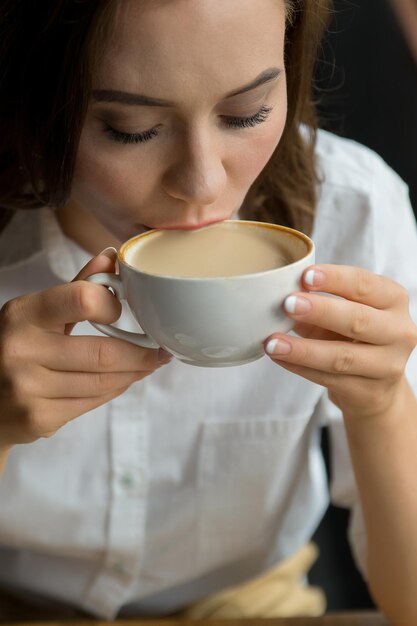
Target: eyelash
248,122
231,122
120,137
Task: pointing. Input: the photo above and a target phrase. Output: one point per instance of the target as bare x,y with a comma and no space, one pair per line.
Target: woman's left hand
356,345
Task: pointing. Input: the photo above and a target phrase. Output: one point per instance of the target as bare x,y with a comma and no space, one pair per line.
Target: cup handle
114,281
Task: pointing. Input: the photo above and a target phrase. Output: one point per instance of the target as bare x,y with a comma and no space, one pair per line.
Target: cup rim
291,231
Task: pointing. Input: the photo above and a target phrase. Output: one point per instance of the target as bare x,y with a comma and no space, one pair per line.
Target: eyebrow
135,99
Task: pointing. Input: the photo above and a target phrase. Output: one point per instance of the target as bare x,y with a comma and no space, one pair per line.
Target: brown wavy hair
48,51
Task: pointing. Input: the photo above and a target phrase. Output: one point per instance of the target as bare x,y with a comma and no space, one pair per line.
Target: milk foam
218,250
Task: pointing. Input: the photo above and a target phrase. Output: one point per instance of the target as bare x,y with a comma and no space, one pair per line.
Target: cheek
259,150
106,180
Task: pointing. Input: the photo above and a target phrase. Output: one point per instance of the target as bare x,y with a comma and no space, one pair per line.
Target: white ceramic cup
210,322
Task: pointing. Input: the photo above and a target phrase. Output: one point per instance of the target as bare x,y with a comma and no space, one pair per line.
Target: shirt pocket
248,474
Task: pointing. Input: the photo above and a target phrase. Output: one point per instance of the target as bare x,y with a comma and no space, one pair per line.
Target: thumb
103,262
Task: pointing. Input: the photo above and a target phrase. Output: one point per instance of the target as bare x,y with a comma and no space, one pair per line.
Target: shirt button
129,480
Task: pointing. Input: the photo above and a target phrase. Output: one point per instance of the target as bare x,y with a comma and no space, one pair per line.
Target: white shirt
194,478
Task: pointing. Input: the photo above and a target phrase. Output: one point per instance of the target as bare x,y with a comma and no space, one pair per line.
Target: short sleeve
393,253
395,242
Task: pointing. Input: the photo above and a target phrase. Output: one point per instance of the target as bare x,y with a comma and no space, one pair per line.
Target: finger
324,379
81,385
84,353
355,284
50,414
349,319
336,357
74,407
360,394
315,332
70,303
104,262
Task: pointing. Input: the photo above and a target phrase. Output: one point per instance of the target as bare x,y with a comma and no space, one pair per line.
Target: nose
197,175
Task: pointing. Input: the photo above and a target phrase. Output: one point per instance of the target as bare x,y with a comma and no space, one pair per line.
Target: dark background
367,84
367,90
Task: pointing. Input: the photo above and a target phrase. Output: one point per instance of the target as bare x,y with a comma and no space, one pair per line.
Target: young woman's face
189,104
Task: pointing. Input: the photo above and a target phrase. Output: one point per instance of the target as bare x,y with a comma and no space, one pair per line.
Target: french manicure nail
278,346
314,278
297,305
109,252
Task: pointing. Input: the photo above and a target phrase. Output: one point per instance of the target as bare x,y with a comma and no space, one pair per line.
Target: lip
184,226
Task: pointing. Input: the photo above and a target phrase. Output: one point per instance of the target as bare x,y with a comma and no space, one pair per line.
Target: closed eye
248,122
121,137
231,122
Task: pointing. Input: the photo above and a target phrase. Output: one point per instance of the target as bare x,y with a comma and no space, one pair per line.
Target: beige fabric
280,592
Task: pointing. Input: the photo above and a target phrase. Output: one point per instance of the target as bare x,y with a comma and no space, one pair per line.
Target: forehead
182,44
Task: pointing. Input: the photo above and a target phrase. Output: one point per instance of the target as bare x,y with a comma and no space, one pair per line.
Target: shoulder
361,203
349,167
357,188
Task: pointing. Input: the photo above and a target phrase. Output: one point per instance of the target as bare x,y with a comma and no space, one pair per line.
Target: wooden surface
15,612
336,619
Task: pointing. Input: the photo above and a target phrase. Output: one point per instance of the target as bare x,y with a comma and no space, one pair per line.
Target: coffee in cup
219,250
209,296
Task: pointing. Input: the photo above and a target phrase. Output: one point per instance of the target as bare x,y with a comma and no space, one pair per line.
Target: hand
48,377
356,345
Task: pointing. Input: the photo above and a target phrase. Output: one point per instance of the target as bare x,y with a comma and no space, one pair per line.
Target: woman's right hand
48,377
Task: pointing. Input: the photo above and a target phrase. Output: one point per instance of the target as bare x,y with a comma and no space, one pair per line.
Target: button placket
128,450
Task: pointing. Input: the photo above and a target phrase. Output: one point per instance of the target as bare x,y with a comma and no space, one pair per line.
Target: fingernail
278,346
314,278
164,356
109,252
297,305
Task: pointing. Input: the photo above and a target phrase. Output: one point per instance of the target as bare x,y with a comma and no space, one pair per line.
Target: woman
176,481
